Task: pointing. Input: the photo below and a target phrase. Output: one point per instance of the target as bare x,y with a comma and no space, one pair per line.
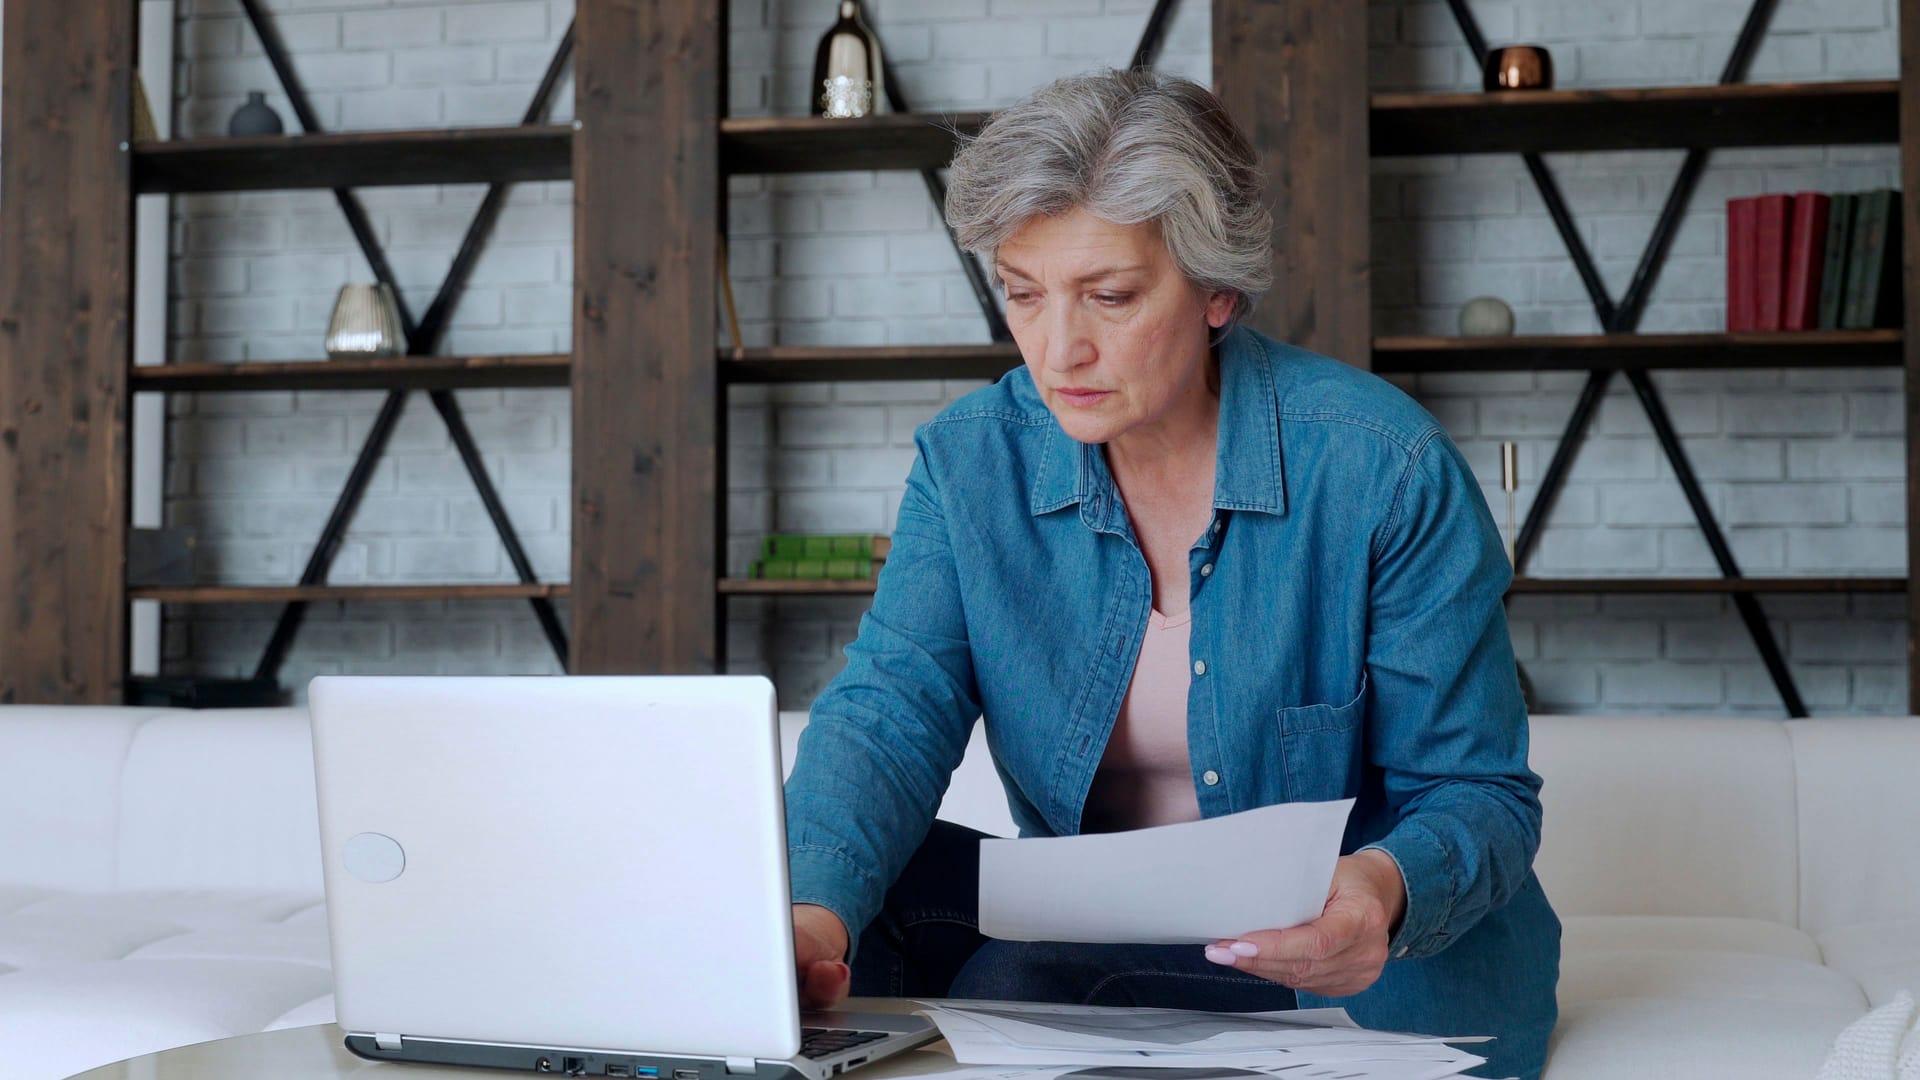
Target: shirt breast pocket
1320,745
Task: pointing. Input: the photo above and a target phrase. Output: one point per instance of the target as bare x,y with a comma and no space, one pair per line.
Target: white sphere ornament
1486,316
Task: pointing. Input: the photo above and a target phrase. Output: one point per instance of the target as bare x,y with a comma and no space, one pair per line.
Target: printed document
1128,1043
1192,883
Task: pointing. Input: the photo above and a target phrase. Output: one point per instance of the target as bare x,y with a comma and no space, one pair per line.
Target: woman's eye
1019,297
1112,299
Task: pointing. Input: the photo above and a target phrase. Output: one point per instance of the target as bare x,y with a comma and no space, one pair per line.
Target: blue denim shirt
1348,640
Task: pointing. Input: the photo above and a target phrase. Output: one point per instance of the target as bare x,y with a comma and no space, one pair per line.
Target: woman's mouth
1081,397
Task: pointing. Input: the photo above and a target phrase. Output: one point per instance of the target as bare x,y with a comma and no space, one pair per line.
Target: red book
1770,259
1740,237
1806,261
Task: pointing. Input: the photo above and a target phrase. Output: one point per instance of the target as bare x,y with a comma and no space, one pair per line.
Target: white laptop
576,875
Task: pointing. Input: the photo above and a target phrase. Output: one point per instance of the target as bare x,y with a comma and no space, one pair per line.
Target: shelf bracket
421,340
1625,318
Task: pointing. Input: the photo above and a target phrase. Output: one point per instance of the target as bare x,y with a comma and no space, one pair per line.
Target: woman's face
1113,332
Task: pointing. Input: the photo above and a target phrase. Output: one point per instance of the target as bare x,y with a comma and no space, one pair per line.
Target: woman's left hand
1343,951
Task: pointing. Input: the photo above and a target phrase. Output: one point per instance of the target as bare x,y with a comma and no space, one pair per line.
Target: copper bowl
1517,67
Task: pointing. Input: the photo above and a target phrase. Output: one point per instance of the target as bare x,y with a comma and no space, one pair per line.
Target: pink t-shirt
1146,777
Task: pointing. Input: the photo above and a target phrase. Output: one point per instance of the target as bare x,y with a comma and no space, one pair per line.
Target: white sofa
1734,891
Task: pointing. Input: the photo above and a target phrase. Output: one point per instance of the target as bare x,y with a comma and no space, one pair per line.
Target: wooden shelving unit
353,159
1583,352
1615,586
1269,58
791,363
1595,586
403,373
285,594
649,165
760,587
1649,118
795,144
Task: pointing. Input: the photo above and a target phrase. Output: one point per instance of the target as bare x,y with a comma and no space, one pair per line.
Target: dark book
1771,214
1839,241
1872,295
1740,236
1806,237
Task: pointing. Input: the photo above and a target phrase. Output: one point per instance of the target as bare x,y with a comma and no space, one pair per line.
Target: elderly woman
1182,570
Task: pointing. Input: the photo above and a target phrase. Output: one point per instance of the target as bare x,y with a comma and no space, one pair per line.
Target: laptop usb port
686,1074
618,1070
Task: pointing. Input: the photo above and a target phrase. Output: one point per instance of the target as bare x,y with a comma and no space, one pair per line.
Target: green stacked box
840,557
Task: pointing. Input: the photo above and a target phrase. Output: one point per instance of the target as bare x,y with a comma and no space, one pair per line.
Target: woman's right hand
820,952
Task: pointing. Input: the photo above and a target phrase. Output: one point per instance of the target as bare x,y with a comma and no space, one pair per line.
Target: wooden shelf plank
1565,352
790,144
1525,585
1593,586
354,159
763,587
402,373
785,364
281,594
1642,118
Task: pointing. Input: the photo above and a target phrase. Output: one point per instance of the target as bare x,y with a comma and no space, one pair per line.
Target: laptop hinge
739,1066
385,1041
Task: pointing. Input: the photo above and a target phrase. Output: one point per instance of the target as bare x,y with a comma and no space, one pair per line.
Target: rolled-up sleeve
1447,725
886,734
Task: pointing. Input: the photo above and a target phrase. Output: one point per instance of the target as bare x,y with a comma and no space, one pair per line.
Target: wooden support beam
66,288
1909,30
646,402
1293,74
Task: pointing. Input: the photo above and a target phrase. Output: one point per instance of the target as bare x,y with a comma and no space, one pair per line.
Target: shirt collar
1248,473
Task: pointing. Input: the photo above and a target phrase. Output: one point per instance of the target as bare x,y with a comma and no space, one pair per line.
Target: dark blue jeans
926,943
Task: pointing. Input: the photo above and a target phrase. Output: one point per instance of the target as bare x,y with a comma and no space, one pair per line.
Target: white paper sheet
1343,1070
1033,1035
1191,883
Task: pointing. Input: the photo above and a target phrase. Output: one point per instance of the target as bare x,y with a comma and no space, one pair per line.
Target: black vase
256,117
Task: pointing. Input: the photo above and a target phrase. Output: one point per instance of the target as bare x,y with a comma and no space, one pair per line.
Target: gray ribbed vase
366,323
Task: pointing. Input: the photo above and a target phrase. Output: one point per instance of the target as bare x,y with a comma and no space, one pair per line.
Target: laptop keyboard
826,1042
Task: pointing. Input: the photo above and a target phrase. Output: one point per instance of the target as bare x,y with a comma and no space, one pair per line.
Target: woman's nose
1068,344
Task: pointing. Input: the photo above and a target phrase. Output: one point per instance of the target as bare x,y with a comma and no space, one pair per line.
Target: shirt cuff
1426,870
833,880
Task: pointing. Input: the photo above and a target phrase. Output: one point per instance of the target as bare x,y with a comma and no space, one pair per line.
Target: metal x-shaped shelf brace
421,340
1625,318
1143,57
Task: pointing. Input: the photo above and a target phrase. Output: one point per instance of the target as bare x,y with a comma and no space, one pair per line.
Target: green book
1834,273
842,546
1866,260
813,569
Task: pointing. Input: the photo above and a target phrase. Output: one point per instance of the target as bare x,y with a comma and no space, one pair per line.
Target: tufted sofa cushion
1734,892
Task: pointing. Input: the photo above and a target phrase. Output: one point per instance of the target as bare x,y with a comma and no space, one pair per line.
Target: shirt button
1207,570
1210,777
1216,524
1199,667
1400,952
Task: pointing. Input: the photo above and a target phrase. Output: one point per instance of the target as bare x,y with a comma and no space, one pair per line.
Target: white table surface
316,1053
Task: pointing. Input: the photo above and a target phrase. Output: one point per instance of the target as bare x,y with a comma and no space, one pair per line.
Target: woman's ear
1220,308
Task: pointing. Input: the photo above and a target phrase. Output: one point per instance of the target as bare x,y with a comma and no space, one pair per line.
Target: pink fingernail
1245,948
1220,956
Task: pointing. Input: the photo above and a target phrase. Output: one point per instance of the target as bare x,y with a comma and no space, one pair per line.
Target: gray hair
1128,147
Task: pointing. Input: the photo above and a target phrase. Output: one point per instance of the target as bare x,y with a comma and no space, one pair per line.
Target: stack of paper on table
1033,1041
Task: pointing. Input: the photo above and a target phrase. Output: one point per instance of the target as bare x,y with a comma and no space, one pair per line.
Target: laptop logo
374,858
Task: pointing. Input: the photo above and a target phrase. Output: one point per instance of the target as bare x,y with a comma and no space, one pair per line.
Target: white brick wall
1805,468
